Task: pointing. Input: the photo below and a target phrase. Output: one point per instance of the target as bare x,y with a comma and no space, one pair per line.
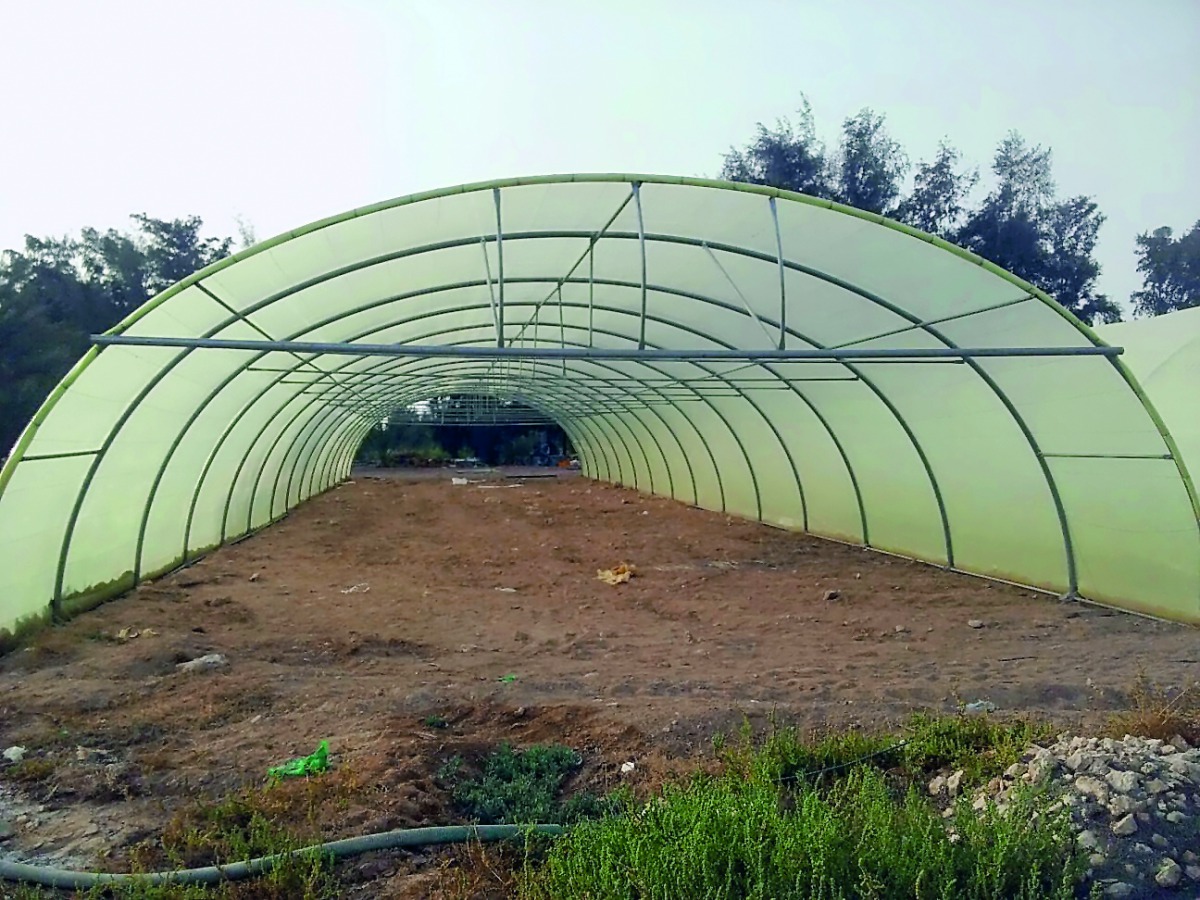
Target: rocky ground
1135,804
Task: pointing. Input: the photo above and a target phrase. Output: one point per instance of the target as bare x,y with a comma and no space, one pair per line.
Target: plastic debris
360,588
617,575
459,481
980,706
627,767
200,664
507,679
975,623
129,633
302,766
505,590
14,754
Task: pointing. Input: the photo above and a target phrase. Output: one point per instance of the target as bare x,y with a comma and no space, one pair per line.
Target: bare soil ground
401,596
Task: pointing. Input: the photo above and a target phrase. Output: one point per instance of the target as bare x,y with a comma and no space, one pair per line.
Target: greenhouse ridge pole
485,352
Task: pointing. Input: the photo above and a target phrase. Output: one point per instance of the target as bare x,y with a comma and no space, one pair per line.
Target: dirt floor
402,595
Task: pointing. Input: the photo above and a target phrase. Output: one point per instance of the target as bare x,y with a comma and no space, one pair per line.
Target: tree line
1021,224
55,292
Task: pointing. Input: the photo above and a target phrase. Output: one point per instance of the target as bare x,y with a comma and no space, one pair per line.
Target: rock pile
1134,802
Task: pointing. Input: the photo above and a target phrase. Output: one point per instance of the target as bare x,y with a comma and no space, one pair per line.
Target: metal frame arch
1178,461
431,366
688,182
302,362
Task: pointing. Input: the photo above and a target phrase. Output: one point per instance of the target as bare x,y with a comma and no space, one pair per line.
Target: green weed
728,837
520,787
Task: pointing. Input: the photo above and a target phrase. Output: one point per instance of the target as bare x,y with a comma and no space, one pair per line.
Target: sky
280,112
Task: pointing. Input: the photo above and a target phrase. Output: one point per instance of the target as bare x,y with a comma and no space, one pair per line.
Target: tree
937,203
789,157
1022,227
54,292
869,165
174,249
1170,269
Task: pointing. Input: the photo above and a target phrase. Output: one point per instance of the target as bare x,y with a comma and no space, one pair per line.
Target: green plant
29,771
729,837
979,745
520,786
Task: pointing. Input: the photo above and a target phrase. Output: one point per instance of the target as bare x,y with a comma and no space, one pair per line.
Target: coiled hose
49,876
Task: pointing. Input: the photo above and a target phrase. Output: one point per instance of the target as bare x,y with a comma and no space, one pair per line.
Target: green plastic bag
313,764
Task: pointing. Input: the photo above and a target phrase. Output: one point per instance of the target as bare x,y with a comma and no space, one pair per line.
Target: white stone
1122,805
1190,857
1192,872
14,754
1125,782
1143,817
1093,787
203,663
1157,786
954,782
1169,874
1159,841
1119,889
1087,840
1125,826
937,785
1175,817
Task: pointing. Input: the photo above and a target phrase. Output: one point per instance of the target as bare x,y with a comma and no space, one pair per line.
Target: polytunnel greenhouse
734,347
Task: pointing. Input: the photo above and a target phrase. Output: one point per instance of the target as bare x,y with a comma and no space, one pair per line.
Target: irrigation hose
48,876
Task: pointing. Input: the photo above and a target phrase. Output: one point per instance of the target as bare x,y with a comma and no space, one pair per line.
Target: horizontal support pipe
1107,456
34,457
478,352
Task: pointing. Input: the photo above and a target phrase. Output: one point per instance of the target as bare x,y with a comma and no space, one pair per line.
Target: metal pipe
477,352
500,270
782,278
637,199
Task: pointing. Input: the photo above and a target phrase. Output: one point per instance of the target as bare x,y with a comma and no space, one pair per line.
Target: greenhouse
734,347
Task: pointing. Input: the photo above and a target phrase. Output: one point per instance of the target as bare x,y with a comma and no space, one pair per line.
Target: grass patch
521,787
982,747
729,837
29,771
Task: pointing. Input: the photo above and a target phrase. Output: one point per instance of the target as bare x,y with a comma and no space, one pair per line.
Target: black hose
403,837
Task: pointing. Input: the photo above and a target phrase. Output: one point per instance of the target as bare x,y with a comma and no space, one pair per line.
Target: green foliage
520,787
869,165
55,292
739,836
1170,269
982,747
937,202
1021,225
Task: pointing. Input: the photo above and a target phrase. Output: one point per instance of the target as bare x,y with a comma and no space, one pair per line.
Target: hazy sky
284,111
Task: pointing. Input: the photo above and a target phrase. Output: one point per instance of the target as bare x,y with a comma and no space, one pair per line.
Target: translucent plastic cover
1051,471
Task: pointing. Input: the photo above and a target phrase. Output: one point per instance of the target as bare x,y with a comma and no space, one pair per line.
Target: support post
500,273
591,293
487,268
637,199
782,279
